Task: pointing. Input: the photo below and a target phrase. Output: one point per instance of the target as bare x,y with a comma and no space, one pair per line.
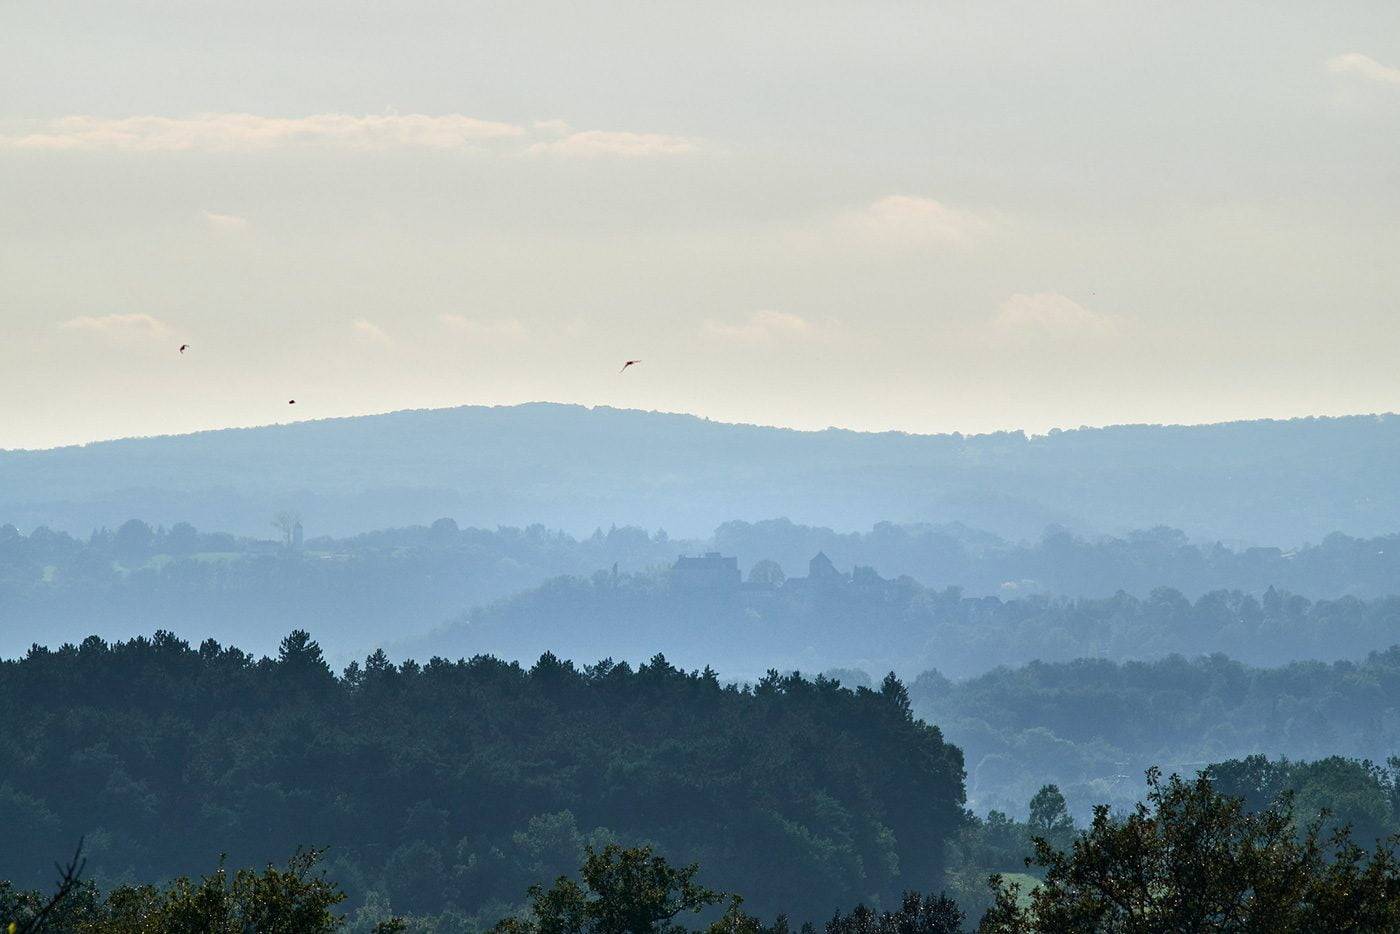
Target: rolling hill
577,468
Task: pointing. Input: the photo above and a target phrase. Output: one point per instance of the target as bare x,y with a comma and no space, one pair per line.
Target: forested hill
1093,726
457,785
577,468
400,583
839,620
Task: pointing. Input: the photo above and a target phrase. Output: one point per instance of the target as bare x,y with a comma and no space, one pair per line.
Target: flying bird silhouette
627,364
184,347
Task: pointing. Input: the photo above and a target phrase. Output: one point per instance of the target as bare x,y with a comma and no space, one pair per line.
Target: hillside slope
577,468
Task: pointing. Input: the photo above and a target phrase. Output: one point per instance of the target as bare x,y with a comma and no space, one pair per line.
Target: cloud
478,329
370,333
593,143
1354,63
225,222
135,327
244,132
1049,314
908,220
769,326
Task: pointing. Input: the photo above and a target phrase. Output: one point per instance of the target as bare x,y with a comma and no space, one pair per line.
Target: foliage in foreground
1187,859
1193,859
294,900
634,891
622,891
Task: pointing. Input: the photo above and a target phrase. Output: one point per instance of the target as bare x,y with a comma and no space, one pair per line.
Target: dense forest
456,785
137,578
831,619
1093,726
577,468
1261,868
1263,843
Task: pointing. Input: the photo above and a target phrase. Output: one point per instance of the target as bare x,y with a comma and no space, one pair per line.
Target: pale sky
925,216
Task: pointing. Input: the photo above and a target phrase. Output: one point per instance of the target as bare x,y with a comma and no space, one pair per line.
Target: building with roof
711,572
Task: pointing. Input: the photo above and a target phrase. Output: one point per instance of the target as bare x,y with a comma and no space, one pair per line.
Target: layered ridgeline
460,784
1093,726
700,612
577,468
396,584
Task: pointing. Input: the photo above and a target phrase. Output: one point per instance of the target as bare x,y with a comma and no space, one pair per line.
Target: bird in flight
627,364
184,347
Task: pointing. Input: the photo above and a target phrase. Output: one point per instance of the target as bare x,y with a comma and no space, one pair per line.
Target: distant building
709,572
821,575
866,577
820,568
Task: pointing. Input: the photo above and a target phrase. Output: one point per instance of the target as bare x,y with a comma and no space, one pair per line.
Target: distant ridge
1277,481
661,413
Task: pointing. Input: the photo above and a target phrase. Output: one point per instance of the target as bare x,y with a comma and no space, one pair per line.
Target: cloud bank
122,327
225,222
479,329
768,326
1052,315
911,221
593,143
369,332
1354,63
245,132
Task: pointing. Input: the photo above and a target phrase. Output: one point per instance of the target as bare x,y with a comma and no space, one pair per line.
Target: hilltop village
715,573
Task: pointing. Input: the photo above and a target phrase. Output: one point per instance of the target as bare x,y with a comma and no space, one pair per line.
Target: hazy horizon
894,429
933,219
452,438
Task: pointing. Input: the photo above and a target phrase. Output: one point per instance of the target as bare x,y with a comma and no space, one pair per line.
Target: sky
957,216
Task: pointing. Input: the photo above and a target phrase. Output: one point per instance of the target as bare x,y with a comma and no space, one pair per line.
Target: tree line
1189,857
453,785
1092,725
